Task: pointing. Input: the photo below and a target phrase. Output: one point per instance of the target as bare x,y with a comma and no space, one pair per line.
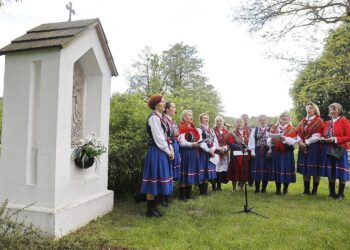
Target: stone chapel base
61,221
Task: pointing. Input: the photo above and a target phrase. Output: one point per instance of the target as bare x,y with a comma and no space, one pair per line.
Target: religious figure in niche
77,105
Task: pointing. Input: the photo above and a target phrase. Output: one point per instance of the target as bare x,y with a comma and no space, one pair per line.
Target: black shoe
250,183
167,199
341,195
182,192
160,213
200,187
188,193
219,186
306,187
278,188
160,199
151,212
332,193
285,188
163,202
264,185
214,186
314,188
257,187
205,188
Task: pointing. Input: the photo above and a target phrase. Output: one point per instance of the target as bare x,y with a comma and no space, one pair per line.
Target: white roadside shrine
56,91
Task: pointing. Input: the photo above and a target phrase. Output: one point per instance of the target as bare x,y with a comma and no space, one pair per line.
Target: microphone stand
246,208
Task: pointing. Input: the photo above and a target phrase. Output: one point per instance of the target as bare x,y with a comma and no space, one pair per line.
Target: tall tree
302,24
181,66
326,79
145,74
176,73
293,14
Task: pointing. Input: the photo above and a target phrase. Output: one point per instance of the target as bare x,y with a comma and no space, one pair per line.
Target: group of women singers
193,155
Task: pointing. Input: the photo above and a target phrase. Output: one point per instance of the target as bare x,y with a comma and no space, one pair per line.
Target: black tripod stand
246,208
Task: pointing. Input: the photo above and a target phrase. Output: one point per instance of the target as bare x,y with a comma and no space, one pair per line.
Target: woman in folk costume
261,153
239,170
309,133
156,173
336,133
173,133
283,163
170,112
223,136
206,154
189,166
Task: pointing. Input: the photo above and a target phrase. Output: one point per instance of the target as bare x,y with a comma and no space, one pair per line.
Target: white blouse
158,133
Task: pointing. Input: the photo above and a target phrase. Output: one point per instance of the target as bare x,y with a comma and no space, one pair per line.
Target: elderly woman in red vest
189,166
335,166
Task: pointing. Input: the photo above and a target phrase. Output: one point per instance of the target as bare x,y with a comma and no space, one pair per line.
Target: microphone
227,125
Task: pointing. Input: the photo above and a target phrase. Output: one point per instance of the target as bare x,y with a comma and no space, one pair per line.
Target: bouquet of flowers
89,150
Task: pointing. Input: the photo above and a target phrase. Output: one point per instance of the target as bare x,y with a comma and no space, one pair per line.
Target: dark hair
167,106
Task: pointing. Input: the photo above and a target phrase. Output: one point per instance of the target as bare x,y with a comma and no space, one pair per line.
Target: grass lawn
296,221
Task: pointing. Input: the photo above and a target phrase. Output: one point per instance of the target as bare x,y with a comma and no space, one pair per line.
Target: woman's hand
195,145
302,145
253,153
211,152
171,155
222,150
330,140
269,154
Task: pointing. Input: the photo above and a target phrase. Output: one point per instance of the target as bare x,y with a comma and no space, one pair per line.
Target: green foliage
182,68
177,73
327,79
127,142
14,232
145,75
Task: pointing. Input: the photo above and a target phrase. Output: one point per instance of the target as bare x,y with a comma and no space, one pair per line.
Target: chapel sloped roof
59,35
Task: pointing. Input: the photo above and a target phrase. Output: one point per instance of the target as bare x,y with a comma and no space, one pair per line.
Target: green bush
14,234
127,142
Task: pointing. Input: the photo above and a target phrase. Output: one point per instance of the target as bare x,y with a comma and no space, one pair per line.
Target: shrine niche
77,104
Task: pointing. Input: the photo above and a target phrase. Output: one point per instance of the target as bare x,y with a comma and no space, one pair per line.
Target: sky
234,60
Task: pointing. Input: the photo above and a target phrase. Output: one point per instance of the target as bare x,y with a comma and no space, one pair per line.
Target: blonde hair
262,117
316,108
336,106
201,116
239,119
285,114
184,113
219,117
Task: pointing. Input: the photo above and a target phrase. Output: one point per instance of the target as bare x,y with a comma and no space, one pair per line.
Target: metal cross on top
71,11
